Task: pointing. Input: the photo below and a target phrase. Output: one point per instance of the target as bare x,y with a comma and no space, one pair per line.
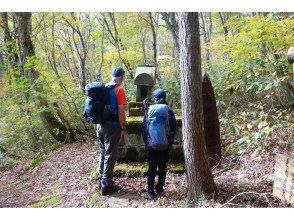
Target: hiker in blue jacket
158,157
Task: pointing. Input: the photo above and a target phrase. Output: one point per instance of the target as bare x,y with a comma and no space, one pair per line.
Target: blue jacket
172,124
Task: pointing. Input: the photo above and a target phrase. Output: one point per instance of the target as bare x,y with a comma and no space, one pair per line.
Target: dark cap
159,94
118,71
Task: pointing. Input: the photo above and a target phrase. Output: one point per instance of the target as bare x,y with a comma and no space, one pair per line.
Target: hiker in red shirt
111,132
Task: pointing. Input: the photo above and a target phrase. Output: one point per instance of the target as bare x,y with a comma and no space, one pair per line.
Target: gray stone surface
134,149
145,75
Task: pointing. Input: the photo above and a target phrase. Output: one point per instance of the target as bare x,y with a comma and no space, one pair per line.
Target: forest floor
62,180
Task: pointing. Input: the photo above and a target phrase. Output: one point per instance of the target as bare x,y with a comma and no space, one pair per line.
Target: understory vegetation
245,55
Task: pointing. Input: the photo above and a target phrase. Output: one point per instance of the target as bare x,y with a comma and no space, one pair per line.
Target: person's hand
122,137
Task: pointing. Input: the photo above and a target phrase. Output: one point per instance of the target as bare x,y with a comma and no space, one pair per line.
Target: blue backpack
158,126
99,104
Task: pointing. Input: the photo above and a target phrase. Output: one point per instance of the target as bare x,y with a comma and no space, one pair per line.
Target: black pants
157,159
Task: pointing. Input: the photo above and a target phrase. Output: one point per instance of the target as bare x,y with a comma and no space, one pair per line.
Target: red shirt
120,95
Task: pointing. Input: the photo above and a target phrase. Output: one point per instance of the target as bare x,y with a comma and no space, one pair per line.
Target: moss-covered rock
141,169
131,170
133,124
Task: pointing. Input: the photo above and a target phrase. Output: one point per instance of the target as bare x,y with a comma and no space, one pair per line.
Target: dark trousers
108,137
157,159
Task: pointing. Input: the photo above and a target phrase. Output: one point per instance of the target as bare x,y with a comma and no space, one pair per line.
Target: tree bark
199,177
50,121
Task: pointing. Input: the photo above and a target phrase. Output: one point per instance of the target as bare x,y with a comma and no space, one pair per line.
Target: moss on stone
131,170
141,169
45,202
133,124
176,168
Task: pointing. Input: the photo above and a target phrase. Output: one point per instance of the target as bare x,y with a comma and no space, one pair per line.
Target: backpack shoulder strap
111,85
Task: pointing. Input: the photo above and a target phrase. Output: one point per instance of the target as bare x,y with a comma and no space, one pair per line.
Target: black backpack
97,95
99,104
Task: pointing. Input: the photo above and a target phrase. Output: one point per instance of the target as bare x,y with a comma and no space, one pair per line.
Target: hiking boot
150,195
160,193
100,185
109,190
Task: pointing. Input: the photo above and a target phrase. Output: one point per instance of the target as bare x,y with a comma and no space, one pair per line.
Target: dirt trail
64,175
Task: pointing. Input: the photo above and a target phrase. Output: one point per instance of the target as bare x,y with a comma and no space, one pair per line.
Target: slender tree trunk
223,21
62,85
119,45
143,40
199,177
154,44
102,54
172,25
50,121
80,48
206,29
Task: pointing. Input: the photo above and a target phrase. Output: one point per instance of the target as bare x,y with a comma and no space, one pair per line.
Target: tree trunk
120,45
206,29
143,44
50,121
223,21
200,182
10,43
80,48
172,26
102,55
154,44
